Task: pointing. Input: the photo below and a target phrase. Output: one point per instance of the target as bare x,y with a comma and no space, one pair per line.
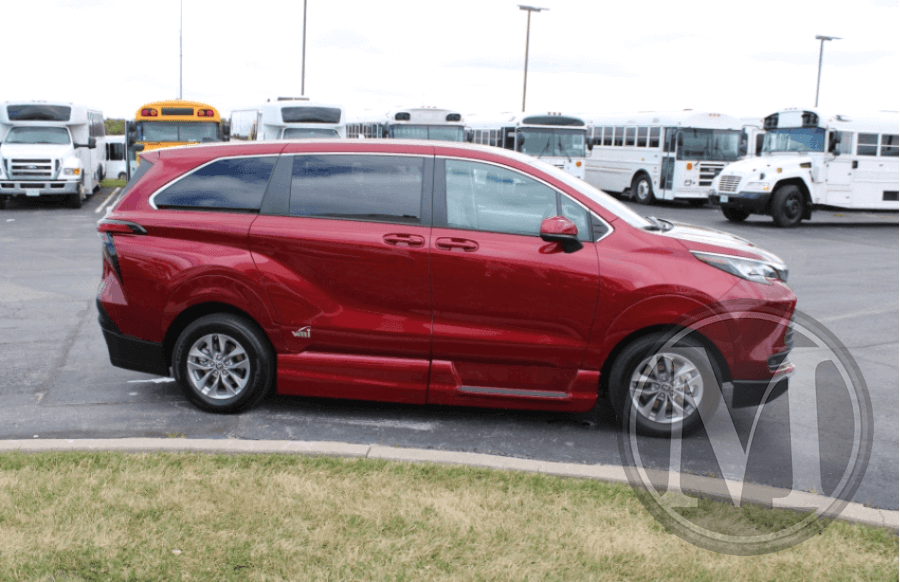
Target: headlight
750,269
71,171
757,186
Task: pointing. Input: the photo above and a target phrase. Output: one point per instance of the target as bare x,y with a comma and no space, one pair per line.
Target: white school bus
812,159
50,148
553,137
661,155
289,118
430,123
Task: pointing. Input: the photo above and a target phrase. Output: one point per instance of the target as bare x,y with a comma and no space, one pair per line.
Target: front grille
708,171
31,169
729,183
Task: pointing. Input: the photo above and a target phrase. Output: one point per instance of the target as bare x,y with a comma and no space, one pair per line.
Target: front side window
231,184
867,144
889,145
309,132
489,198
38,135
173,131
355,187
800,139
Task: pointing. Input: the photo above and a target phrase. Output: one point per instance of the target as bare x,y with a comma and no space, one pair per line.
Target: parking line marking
876,311
108,198
153,381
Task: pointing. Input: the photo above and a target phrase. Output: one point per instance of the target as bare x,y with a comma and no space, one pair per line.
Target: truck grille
729,183
708,171
31,169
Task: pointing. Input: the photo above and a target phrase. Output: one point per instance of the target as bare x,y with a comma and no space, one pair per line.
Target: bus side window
607,136
654,137
889,145
620,136
642,137
867,144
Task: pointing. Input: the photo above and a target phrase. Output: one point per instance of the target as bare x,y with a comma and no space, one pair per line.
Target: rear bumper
38,188
131,353
753,202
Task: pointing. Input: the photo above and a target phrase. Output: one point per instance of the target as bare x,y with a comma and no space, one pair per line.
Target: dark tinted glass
376,188
311,115
39,112
235,184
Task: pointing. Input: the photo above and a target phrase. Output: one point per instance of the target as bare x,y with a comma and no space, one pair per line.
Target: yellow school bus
163,124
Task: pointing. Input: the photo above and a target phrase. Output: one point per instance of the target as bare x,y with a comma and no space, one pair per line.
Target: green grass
112,183
114,516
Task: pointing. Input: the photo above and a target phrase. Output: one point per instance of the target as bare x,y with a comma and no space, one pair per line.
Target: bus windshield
436,132
308,132
173,131
800,139
714,145
53,135
552,142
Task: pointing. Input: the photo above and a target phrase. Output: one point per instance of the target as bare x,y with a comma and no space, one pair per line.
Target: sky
585,56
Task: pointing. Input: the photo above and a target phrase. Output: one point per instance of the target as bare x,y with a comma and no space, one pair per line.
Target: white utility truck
813,160
50,149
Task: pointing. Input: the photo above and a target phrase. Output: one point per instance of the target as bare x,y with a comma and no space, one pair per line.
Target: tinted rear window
39,112
232,184
372,188
311,115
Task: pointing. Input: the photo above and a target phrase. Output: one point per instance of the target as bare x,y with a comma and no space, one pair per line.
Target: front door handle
450,243
397,238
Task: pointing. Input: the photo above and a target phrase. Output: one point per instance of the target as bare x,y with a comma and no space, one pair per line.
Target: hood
698,238
764,164
34,150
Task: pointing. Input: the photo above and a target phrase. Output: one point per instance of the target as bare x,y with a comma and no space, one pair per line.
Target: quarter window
867,144
365,188
889,145
488,198
232,184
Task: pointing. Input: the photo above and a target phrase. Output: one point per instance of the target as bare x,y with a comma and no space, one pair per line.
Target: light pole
822,50
528,9
180,45
303,66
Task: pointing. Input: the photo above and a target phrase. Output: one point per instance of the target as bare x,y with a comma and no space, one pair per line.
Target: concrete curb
853,512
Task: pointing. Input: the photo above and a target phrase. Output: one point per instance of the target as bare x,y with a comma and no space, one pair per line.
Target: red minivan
422,272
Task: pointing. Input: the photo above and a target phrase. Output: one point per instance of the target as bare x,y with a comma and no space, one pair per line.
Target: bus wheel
735,214
642,190
787,206
77,198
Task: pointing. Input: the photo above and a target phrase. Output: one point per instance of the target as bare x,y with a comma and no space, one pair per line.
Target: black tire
214,337
634,361
735,214
78,197
642,190
787,206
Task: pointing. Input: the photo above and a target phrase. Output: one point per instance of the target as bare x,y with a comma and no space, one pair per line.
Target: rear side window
367,188
232,184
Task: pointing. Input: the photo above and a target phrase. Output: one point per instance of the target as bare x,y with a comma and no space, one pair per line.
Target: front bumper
37,187
754,202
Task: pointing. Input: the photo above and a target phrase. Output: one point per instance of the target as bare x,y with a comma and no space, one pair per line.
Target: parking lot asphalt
57,382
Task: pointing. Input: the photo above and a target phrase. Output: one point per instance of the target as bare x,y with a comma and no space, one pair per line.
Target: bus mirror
834,140
137,148
470,135
742,150
590,145
226,130
92,143
679,139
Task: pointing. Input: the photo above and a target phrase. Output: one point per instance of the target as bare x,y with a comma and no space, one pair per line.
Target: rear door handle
397,238
463,244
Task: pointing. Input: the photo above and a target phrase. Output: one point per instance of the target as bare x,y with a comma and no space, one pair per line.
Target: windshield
713,145
801,139
552,142
164,131
601,198
436,132
54,135
307,132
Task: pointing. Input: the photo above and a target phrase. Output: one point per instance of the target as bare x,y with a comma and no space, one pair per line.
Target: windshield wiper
544,149
559,142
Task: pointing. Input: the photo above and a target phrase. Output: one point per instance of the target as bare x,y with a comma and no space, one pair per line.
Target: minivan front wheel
664,386
223,363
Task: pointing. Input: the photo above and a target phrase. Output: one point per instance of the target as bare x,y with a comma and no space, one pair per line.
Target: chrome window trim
609,227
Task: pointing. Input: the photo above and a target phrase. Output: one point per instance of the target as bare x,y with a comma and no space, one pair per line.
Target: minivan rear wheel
664,385
223,363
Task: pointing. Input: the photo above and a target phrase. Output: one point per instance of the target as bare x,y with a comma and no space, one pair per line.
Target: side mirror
559,229
92,143
590,145
138,147
834,140
226,130
470,135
